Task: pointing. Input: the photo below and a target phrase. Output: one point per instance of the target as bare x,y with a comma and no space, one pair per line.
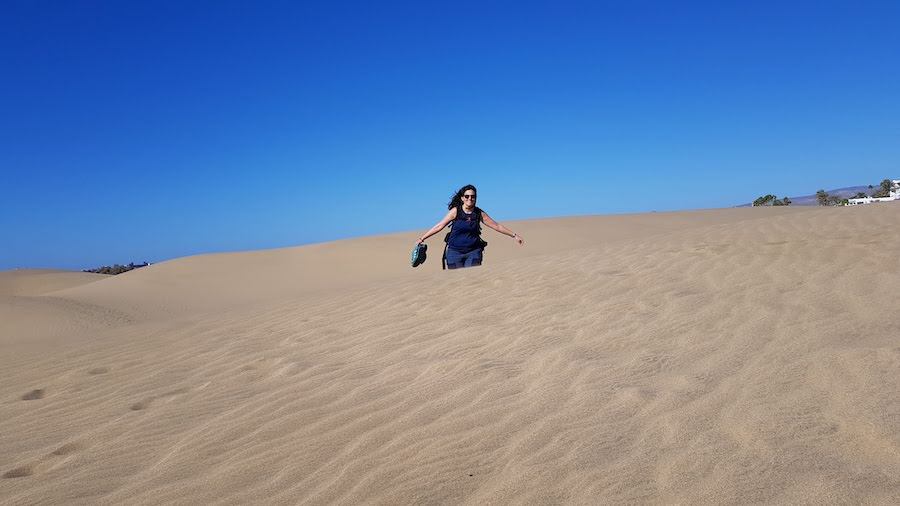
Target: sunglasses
469,197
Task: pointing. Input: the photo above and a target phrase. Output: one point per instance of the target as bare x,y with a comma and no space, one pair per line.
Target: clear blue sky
136,131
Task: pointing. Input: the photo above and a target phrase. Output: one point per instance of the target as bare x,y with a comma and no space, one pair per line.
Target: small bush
116,269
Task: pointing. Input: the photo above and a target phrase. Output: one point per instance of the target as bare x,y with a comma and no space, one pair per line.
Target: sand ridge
718,357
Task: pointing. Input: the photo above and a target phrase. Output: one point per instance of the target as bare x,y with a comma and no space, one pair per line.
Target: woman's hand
518,239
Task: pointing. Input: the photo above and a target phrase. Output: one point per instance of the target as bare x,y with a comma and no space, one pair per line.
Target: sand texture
711,357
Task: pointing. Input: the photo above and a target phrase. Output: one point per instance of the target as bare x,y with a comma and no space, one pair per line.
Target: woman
464,245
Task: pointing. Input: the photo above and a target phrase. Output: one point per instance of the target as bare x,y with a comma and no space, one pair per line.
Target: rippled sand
726,356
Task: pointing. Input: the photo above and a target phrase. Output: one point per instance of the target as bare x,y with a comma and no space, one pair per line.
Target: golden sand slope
733,356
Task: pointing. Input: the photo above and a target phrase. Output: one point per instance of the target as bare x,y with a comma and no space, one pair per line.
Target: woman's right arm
451,214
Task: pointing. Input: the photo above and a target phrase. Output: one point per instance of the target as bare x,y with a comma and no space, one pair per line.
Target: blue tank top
465,233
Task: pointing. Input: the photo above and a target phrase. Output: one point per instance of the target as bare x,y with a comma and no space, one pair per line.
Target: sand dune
40,281
211,283
727,356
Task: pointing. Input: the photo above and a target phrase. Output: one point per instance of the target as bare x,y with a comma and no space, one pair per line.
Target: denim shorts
456,260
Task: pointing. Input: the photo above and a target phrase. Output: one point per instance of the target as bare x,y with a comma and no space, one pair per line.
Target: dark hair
456,198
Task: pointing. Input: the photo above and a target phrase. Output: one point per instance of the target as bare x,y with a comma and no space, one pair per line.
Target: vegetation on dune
884,189
771,200
824,199
116,269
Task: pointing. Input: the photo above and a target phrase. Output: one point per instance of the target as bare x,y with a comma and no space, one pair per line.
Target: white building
894,195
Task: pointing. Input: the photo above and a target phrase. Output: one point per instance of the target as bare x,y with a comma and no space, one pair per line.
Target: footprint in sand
48,460
19,472
137,406
144,404
98,370
67,449
34,395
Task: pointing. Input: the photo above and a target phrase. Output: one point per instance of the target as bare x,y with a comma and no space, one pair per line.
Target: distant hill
810,200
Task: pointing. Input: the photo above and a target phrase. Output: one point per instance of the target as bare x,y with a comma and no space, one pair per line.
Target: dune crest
32,282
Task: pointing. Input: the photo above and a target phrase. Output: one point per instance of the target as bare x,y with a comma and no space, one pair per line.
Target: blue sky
139,131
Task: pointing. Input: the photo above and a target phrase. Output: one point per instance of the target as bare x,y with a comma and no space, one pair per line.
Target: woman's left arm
500,228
